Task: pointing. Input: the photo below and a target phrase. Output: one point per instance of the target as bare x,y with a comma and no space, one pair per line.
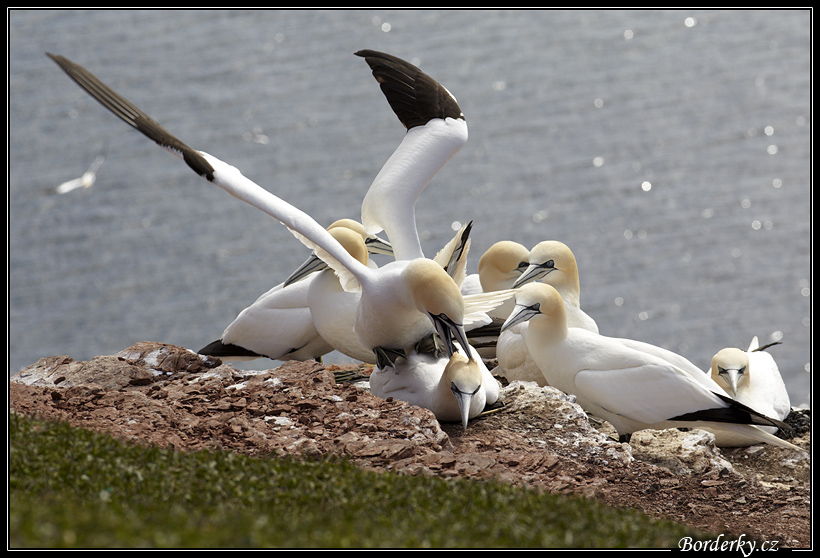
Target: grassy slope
74,488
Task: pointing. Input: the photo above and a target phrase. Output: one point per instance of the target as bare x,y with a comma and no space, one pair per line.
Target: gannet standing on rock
551,262
751,377
631,389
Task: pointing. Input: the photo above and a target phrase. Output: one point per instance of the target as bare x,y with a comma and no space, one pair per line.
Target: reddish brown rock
159,394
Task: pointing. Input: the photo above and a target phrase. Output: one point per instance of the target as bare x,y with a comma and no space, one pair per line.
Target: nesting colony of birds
429,329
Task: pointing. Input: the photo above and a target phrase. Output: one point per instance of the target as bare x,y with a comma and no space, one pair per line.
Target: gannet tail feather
733,412
227,350
755,433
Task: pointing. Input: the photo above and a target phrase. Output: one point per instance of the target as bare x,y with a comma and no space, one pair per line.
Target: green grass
72,488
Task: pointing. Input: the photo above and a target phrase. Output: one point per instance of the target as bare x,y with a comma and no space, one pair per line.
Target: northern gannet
455,389
631,389
403,301
551,262
751,377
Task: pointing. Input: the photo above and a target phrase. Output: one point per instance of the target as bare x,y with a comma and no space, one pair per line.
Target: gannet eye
549,264
523,266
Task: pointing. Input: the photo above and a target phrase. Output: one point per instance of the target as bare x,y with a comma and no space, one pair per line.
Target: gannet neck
435,294
389,204
542,306
436,130
352,242
433,290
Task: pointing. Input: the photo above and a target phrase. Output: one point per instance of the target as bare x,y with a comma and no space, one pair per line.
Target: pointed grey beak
521,314
732,377
376,245
534,272
463,399
449,331
311,265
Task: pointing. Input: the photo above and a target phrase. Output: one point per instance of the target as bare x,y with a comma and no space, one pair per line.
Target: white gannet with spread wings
403,301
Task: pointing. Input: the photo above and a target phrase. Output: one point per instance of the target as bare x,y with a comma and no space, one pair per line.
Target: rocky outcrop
164,395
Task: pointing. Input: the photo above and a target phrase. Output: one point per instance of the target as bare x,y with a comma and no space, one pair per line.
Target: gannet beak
732,377
533,273
312,264
376,245
463,399
521,314
450,332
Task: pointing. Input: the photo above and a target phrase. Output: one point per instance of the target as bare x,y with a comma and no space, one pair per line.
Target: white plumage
550,262
631,389
751,377
455,389
280,324
405,301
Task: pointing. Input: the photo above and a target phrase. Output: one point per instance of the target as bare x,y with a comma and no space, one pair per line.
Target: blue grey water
671,150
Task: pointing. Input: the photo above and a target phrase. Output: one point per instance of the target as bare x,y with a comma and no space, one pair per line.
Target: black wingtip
227,350
415,97
132,115
736,412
